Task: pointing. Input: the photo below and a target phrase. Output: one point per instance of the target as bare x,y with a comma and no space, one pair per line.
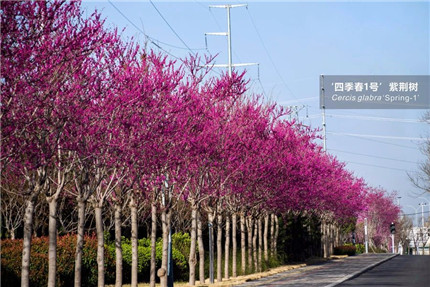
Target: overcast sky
294,43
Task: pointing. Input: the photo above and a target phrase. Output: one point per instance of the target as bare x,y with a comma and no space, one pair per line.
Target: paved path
327,274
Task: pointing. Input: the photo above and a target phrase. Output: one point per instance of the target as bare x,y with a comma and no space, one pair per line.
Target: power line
418,213
299,101
373,156
393,144
379,166
171,28
262,87
313,116
153,40
376,136
201,4
150,39
268,55
377,118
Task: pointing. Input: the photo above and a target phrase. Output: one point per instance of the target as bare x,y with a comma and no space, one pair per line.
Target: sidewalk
327,274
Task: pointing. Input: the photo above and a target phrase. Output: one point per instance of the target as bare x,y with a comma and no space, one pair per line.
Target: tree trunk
80,241
234,242
100,246
250,229
272,235
201,249
28,230
118,247
254,245
219,248
242,242
134,243
153,268
192,258
331,237
165,220
265,237
162,272
211,247
52,249
326,240
260,243
323,238
34,191
337,242
227,247
276,236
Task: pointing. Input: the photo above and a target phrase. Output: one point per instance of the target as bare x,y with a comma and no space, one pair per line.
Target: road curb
359,272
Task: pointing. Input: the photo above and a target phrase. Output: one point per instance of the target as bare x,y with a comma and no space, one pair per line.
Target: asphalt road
406,270
326,274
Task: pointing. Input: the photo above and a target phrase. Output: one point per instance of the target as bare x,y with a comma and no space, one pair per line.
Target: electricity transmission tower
230,64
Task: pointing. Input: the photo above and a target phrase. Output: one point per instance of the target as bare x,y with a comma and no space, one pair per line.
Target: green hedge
360,248
180,252
11,253
349,250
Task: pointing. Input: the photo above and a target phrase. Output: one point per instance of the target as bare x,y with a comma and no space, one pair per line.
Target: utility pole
422,213
230,64
323,112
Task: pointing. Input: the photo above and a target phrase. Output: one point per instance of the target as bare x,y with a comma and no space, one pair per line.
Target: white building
419,237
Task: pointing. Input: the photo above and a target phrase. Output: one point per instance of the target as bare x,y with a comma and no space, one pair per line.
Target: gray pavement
327,274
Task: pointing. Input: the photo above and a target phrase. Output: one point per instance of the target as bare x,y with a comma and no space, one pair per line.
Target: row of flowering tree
89,117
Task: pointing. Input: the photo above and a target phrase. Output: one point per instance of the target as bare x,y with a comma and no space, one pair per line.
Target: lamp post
422,212
428,202
425,231
422,225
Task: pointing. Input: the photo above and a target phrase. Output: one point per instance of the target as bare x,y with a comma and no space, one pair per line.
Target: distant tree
381,211
12,204
403,229
422,178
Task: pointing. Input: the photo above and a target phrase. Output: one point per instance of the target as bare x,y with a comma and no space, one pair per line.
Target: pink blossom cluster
74,95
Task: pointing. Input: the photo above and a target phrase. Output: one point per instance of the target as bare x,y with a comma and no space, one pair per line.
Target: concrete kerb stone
361,271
